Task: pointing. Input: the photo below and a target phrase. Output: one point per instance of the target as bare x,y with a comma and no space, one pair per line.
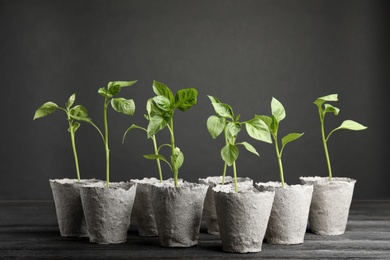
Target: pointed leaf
351,125
114,87
177,158
71,101
330,108
258,129
79,110
278,110
290,137
163,90
186,98
215,125
223,110
163,103
45,110
233,128
124,106
156,123
103,92
214,99
249,147
321,100
155,157
229,154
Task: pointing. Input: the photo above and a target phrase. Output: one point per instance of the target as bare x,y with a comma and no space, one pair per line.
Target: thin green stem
279,156
224,173
106,143
158,160
324,141
72,137
235,176
173,159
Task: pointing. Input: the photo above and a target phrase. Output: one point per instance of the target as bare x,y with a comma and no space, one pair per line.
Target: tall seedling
225,121
324,108
278,114
72,114
162,110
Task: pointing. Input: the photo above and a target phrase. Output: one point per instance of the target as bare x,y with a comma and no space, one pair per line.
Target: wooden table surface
29,230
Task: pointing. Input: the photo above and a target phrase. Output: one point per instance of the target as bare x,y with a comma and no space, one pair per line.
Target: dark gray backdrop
243,52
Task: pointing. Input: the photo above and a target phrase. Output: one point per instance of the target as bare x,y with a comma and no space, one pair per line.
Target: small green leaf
267,120
114,87
229,154
186,98
45,110
278,110
79,110
330,108
163,103
157,156
163,90
351,125
249,147
214,99
177,158
156,123
71,101
82,119
215,125
258,129
124,106
103,92
290,137
321,100
223,110
233,128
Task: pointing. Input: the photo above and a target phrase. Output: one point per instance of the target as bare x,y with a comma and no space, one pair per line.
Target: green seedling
161,110
324,108
225,121
72,113
278,114
153,137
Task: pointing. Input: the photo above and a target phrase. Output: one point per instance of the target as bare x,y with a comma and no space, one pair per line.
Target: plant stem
325,147
72,137
235,176
224,173
106,143
279,161
158,160
175,171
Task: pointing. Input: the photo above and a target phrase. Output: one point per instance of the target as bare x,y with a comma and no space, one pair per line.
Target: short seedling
278,114
153,137
225,121
161,111
72,113
324,108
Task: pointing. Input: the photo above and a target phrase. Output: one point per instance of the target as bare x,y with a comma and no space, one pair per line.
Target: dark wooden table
29,230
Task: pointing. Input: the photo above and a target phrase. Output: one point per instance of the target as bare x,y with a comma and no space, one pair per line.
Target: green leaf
267,120
82,119
330,108
114,87
186,98
351,125
290,137
163,90
258,129
321,100
71,101
229,154
75,126
214,99
45,110
249,147
124,106
157,156
177,158
133,126
233,129
163,103
223,110
277,110
215,125
103,92
79,111
156,123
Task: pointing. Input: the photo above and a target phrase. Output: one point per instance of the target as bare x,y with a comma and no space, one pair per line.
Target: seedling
161,111
153,137
278,114
225,121
324,108
71,113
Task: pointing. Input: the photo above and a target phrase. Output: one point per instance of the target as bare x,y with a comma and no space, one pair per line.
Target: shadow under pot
330,205
290,212
242,216
178,212
108,211
209,211
69,210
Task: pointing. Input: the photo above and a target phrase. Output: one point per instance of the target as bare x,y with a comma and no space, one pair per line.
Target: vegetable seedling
324,108
225,121
153,137
278,114
72,113
162,110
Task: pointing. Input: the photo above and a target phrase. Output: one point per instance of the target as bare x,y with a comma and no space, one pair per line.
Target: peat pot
69,211
330,205
290,212
242,216
178,212
209,212
108,211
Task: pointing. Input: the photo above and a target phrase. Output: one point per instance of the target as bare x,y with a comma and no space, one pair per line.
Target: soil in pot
209,211
108,211
178,212
69,211
330,205
243,216
289,215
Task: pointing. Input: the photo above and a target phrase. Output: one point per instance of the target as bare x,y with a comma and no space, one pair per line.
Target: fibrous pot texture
108,211
178,212
243,217
289,215
209,211
330,205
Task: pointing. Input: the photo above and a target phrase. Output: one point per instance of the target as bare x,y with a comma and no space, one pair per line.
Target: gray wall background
243,52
